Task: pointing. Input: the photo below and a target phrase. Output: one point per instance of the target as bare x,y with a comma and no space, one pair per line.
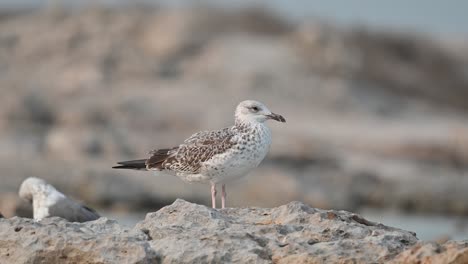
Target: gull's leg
213,194
223,196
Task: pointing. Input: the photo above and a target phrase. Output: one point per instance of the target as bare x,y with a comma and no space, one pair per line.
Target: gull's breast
248,152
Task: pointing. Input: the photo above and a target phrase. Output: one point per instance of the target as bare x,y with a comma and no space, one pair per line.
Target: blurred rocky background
376,115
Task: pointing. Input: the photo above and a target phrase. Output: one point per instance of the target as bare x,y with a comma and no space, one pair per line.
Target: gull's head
254,111
32,186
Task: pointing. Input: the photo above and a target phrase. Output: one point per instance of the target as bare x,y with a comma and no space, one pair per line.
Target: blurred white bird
48,202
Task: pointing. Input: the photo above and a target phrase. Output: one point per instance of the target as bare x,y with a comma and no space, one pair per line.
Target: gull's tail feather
132,164
158,157
155,162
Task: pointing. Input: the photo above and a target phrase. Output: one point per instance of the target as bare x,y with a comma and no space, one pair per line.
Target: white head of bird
251,111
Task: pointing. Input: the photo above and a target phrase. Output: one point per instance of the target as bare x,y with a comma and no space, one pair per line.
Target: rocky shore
189,233
371,115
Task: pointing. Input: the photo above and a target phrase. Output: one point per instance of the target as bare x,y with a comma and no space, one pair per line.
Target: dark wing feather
86,213
197,149
189,156
131,164
158,157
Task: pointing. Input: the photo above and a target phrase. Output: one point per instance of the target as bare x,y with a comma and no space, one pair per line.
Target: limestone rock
292,233
190,233
54,240
453,252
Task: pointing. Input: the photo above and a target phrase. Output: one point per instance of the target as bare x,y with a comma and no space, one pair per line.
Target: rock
424,252
33,109
54,240
292,233
190,233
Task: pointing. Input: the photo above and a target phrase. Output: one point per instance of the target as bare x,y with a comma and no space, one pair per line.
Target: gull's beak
276,117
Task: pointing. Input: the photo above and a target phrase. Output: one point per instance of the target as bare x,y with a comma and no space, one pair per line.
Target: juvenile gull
48,202
216,156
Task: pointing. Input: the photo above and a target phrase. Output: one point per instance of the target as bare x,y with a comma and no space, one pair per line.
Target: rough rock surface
293,233
189,233
54,240
453,252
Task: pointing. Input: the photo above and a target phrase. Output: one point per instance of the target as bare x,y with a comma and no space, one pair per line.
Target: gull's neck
45,196
45,193
247,123
249,126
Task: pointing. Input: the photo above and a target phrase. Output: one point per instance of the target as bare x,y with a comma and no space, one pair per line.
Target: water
427,227
126,219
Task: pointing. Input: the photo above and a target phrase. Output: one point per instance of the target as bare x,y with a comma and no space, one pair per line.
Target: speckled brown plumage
200,147
216,156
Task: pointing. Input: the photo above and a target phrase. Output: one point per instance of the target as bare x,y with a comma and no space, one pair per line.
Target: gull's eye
254,108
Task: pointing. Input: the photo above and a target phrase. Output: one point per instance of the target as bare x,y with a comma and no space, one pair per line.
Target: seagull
48,202
218,156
